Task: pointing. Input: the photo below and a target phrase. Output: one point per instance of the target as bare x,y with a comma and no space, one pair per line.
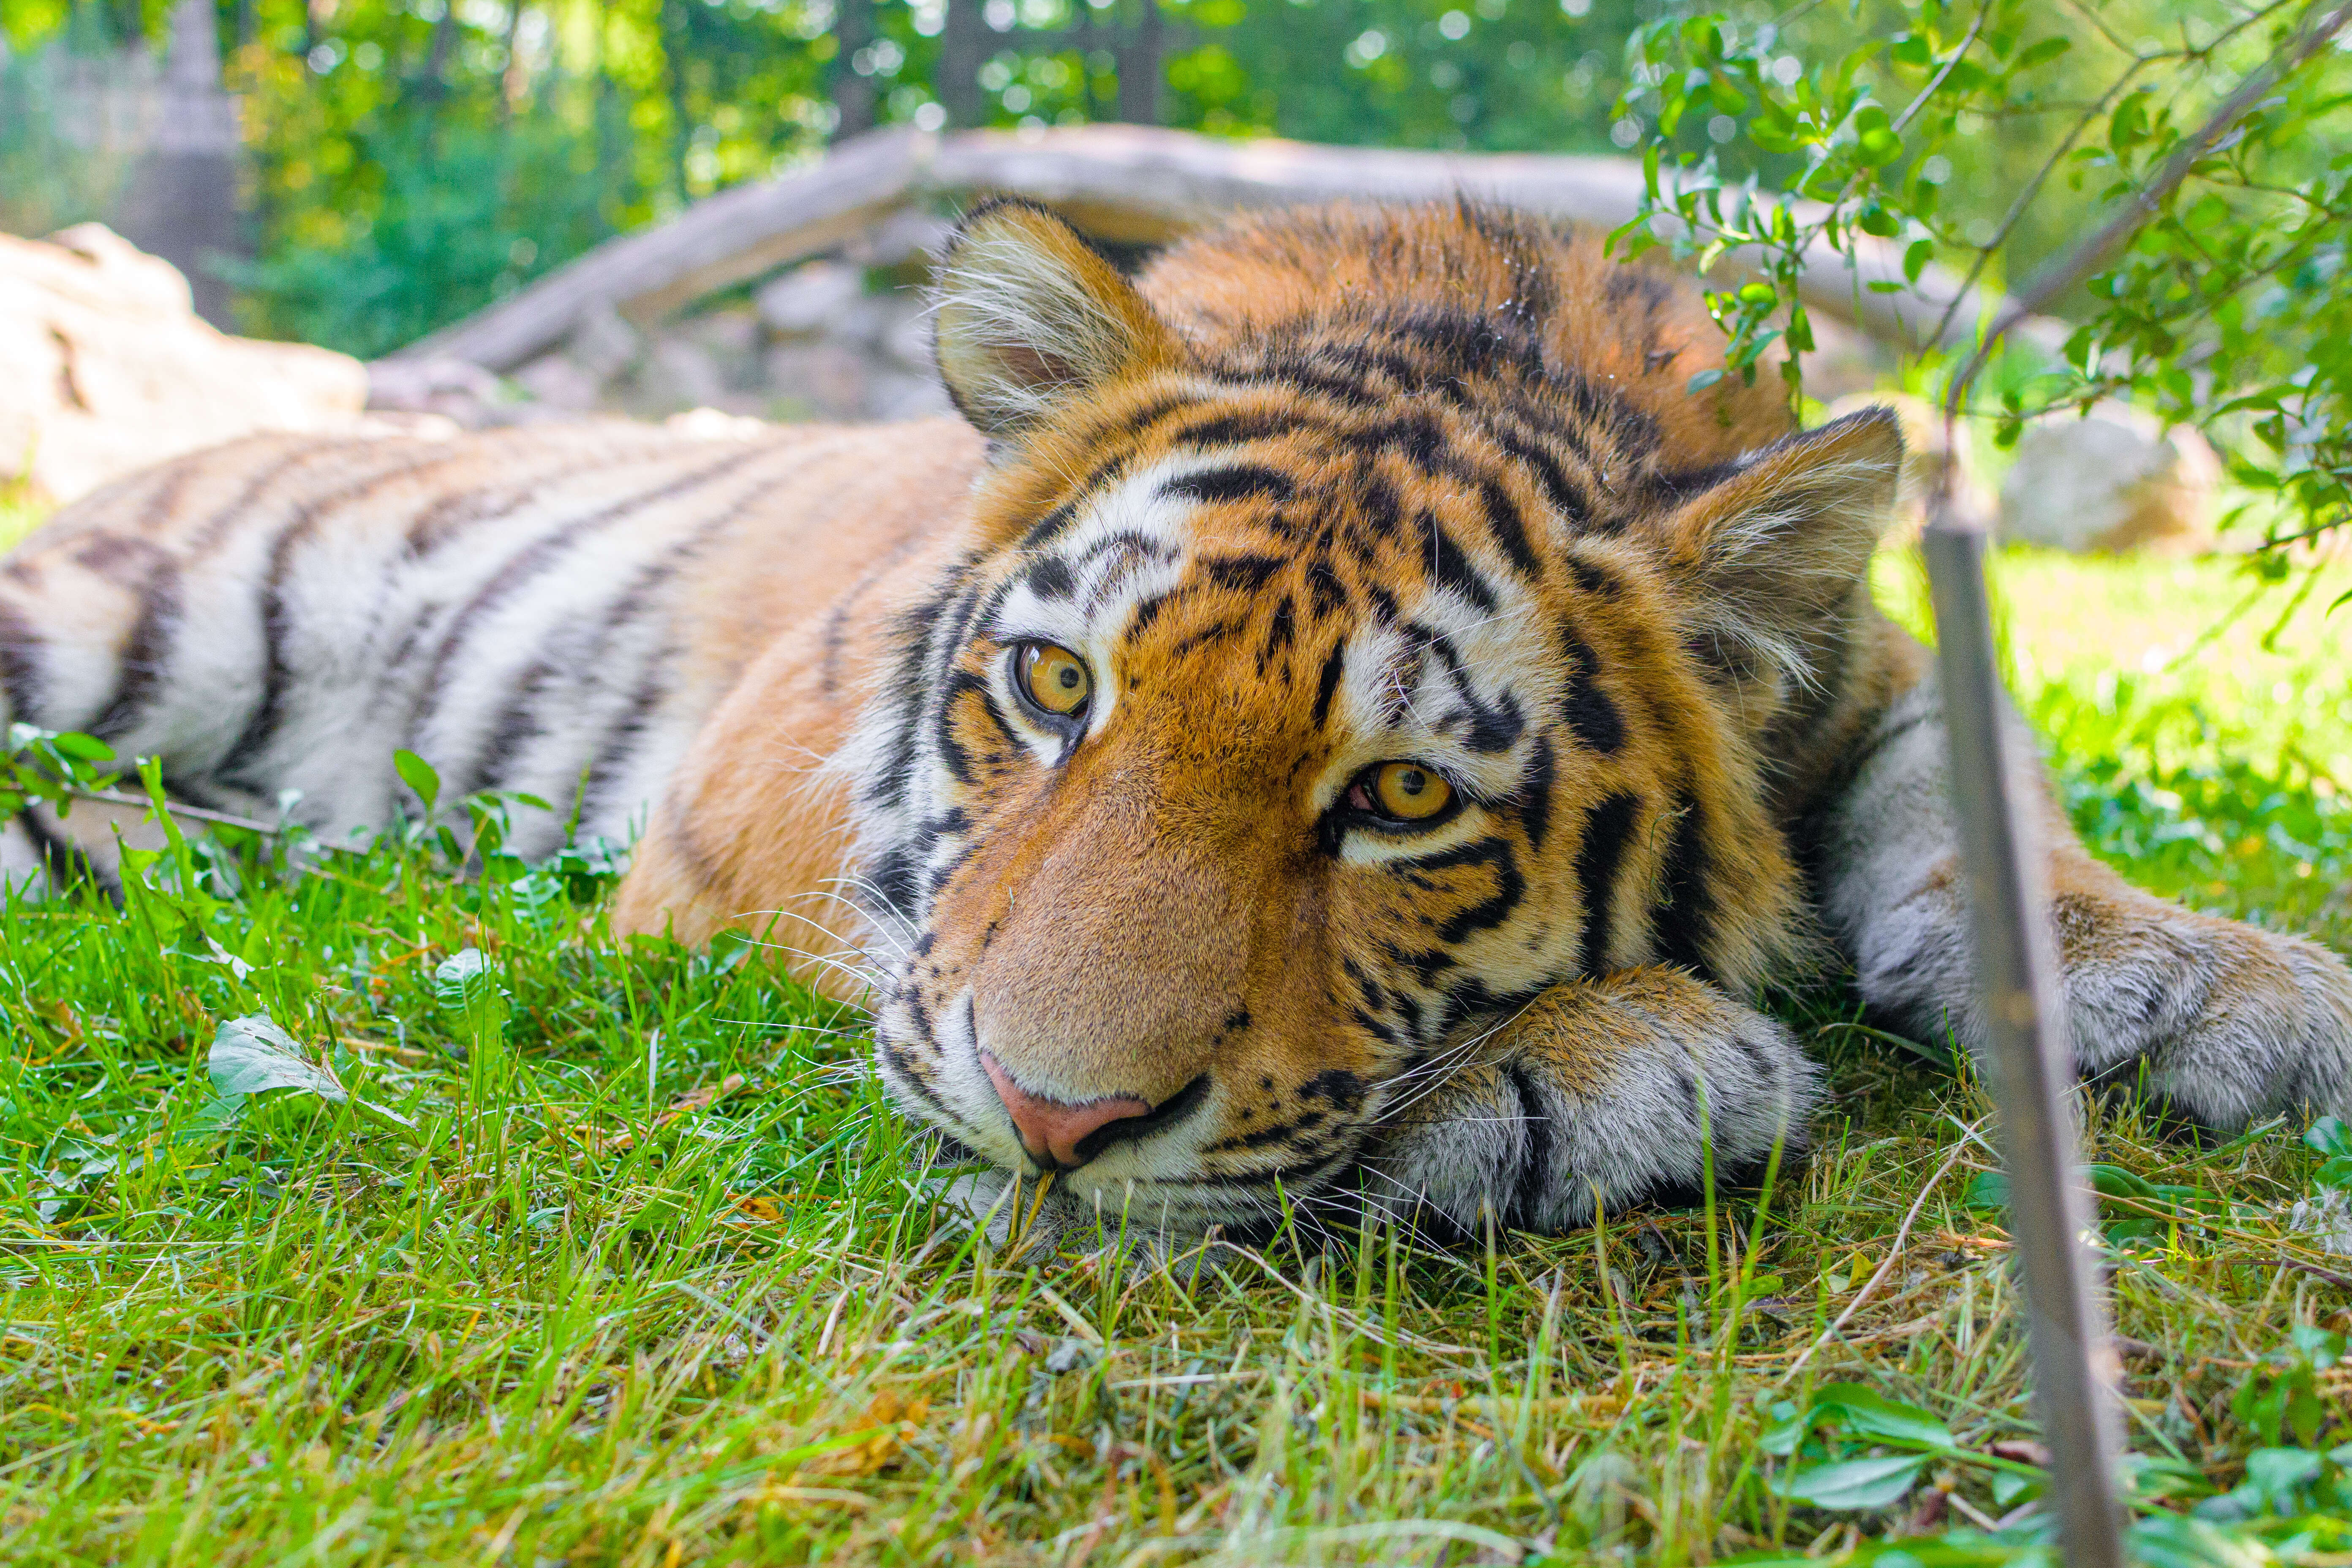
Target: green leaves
2330,1138
47,766
2279,1398
2230,308
1835,1437
1854,1483
2141,1211
253,1056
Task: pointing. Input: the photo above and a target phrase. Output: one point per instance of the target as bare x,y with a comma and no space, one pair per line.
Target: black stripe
624,735
20,665
1562,493
1450,568
147,652
1049,577
1281,631
1503,520
533,560
1535,1157
1246,572
1328,683
1592,579
1588,713
1241,481
1535,792
518,723
1490,912
1686,922
1608,828
202,539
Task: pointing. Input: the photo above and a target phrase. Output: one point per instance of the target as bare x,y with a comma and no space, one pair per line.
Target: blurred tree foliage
2176,175
413,160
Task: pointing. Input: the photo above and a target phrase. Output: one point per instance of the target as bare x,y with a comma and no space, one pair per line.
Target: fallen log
1125,183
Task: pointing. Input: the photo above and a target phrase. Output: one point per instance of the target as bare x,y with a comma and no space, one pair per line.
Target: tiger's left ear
1031,316
1776,549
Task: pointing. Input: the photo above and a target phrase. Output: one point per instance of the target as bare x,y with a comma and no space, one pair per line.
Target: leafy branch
2216,290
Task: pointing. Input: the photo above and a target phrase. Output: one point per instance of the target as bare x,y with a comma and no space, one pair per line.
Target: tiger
1351,719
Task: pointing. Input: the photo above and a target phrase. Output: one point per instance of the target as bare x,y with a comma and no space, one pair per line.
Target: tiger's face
1278,737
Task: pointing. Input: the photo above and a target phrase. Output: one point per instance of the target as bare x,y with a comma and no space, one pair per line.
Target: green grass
610,1305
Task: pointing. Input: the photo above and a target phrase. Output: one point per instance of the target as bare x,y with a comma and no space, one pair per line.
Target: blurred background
356,172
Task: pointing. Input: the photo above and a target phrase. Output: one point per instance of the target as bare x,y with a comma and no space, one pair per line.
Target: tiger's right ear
1029,315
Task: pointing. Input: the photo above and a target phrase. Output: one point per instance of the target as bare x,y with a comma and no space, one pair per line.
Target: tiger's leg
2226,1023
1600,1095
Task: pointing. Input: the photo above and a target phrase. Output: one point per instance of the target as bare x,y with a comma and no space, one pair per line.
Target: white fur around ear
1776,551
1029,315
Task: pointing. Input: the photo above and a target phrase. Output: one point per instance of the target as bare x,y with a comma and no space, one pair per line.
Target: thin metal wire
1999,814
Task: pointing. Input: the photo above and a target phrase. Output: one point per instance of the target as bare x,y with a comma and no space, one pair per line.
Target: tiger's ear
1029,315
1776,549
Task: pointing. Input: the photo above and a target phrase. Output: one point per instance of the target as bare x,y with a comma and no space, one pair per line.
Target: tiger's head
1362,628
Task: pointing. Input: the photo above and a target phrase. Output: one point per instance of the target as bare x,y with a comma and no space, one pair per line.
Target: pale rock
821,380
556,381
895,395
678,372
452,389
110,369
605,345
2112,480
811,298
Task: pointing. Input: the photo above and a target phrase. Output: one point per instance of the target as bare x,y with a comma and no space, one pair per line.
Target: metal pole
2001,845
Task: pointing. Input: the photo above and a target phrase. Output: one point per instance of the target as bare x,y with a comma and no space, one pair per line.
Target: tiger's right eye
1053,677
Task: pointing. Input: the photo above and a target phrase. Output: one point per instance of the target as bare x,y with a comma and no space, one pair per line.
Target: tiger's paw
2224,1022
1598,1096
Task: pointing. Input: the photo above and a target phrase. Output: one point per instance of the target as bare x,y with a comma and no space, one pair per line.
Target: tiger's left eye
1053,677
1404,791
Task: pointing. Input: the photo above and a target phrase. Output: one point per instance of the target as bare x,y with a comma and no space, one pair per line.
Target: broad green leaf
1867,1413
83,748
1854,1483
254,1056
2329,1135
468,990
418,774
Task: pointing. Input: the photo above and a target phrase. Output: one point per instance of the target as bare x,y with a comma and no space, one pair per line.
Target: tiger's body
1349,721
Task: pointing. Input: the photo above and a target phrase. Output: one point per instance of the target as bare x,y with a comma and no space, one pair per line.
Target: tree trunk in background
677,42
1140,66
180,203
853,95
1087,37
963,46
430,82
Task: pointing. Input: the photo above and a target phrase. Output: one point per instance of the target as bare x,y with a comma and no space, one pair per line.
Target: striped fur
1320,492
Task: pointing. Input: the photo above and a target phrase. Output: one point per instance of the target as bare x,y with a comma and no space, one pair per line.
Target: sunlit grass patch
656,1278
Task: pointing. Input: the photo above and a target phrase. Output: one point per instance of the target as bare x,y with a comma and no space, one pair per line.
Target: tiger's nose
1058,1136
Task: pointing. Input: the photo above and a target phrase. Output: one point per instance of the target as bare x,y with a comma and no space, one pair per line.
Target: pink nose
1051,1131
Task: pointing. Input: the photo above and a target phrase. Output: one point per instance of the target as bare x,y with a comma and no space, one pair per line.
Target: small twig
2078,263
2329,1275
1894,1252
200,814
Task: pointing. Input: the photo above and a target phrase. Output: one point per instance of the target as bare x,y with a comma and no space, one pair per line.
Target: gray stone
811,298
2113,480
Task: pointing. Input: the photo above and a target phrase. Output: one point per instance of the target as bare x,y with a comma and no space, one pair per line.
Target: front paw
1598,1096
2227,1024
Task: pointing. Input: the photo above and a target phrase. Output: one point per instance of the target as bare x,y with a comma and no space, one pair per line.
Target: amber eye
1405,791
1053,678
